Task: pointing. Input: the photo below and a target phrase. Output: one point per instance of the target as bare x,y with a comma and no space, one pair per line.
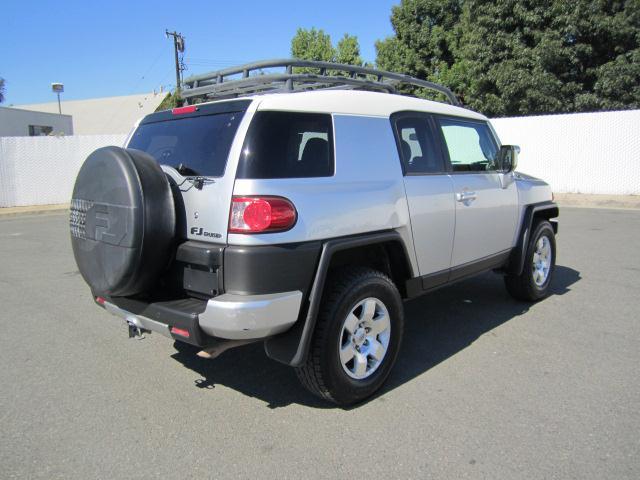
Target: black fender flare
546,210
292,347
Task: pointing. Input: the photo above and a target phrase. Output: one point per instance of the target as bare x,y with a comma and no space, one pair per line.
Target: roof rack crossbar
329,75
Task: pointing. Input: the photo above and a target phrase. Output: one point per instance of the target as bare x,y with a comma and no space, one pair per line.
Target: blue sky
118,47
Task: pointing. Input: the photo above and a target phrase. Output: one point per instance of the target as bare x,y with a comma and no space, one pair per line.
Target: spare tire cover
122,221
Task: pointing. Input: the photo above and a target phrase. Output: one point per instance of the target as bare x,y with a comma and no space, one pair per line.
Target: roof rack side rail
330,75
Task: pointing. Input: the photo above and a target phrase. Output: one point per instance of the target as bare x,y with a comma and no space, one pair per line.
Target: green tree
171,100
348,50
425,37
550,56
509,51
1,90
509,57
312,45
424,44
316,45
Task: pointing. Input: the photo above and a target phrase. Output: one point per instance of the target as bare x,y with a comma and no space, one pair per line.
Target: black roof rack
251,79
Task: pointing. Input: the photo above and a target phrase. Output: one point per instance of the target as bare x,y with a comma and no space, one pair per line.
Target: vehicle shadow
438,325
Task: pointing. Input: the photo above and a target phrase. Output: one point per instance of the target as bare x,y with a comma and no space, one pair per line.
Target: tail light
261,215
183,110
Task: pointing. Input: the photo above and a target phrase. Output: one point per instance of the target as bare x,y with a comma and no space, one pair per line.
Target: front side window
471,145
417,145
287,145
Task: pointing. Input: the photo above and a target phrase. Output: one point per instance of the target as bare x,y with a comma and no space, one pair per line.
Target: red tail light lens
261,214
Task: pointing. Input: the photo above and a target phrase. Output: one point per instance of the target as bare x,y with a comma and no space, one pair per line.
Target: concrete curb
33,210
582,200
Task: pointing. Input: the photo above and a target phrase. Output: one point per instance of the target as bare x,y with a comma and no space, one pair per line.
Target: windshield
194,145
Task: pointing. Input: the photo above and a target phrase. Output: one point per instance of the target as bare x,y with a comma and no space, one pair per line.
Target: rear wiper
186,171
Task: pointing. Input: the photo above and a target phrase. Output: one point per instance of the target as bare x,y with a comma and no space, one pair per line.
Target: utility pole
178,46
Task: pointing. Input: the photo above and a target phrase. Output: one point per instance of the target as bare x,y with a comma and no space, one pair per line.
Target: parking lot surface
485,387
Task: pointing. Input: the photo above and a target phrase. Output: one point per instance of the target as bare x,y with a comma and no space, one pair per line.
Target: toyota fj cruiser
301,209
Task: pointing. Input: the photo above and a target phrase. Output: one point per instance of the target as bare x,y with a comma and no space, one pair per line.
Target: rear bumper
201,322
243,317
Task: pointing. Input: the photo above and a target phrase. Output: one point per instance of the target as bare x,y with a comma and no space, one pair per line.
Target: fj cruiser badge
201,232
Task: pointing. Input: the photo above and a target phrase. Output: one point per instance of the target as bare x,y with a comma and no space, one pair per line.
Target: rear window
193,145
287,145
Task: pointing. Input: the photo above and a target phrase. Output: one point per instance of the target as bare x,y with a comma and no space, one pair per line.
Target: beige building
100,116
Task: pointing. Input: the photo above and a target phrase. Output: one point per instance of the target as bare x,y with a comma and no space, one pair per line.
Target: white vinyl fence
576,153
42,170
579,152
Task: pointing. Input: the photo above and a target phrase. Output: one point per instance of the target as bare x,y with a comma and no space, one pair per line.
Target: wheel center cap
360,335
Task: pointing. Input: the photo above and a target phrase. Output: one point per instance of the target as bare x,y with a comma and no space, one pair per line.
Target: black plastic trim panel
258,270
490,262
200,253
292,346
426,283
549,210
434,280
201,267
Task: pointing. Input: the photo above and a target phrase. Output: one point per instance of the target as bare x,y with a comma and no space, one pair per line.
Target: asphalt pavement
485,386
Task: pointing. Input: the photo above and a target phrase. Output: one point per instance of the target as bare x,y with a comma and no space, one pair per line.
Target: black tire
523,286
122,221
323,373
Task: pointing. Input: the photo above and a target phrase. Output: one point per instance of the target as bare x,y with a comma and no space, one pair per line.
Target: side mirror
508,158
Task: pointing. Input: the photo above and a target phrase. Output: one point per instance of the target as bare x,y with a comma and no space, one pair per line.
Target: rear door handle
466,197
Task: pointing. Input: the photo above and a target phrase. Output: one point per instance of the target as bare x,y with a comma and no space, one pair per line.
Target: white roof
357,102
110,115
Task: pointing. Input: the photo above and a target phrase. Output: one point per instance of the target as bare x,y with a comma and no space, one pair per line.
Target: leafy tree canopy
312,45
170,101
348,51
1,90
508,57
316,45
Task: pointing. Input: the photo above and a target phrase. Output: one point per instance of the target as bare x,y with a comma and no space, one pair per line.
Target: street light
58,88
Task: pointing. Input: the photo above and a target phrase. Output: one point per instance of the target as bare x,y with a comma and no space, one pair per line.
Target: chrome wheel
364,338
542,257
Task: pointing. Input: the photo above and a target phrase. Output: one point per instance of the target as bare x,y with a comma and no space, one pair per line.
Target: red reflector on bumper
100,300
180,331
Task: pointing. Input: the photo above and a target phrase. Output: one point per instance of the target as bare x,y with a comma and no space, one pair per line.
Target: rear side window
193,145
418,147
287,145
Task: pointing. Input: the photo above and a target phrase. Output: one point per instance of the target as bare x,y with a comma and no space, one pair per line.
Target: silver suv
300,209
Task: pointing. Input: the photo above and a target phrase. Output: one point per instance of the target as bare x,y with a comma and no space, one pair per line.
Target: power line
135,87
